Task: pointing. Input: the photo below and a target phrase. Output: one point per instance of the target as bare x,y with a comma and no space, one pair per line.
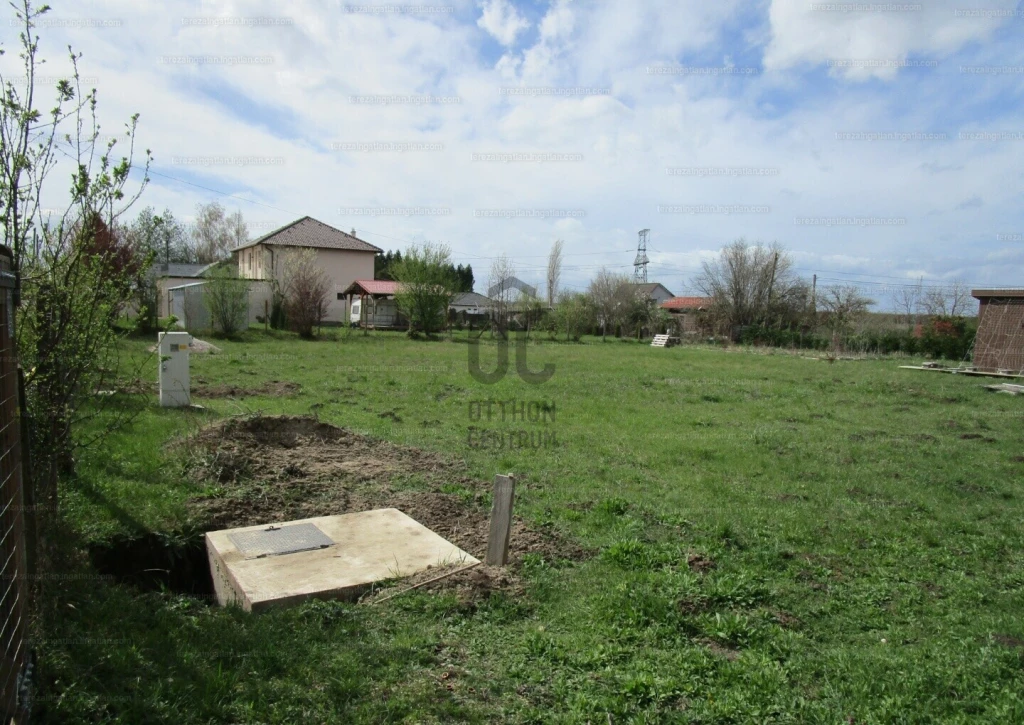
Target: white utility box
174,379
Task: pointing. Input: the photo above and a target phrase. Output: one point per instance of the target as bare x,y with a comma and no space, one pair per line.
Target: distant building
657,293
690,311
342,255
511,283
1000,341
174,275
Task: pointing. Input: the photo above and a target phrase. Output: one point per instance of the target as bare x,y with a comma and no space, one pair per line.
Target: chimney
353,232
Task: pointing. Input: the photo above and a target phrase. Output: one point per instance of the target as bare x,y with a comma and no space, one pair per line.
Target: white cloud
864,44
300,104
501,19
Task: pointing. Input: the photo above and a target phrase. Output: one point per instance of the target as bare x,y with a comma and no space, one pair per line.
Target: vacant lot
705,536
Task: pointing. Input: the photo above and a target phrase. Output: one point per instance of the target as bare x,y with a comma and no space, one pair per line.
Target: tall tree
842,306
753,285
503,295
609,293
554,270
950,300
215,233
906,301
305,290
162,235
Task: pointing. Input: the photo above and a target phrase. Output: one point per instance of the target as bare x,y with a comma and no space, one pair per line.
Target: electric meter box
173,349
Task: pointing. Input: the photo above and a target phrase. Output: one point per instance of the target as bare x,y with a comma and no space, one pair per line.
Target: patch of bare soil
281,468
271,389
470,585
720,650
700,563
1007,640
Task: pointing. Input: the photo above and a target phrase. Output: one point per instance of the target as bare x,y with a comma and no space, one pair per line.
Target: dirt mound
470,584
271,389
197,346
282,468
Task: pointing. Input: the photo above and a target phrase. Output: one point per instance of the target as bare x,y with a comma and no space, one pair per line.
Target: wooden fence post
501,520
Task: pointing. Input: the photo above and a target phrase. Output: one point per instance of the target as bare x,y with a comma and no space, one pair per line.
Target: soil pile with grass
269,469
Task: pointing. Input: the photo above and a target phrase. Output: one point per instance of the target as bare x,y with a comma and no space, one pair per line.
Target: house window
341,295
249,257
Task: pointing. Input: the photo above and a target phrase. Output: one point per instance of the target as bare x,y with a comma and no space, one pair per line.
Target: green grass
861,524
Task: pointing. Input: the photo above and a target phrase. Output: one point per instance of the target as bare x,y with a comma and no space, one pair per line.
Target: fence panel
13,574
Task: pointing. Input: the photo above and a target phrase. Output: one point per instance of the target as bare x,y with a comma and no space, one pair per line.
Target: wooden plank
501,520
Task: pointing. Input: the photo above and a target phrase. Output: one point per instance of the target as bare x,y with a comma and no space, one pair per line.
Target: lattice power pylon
640,263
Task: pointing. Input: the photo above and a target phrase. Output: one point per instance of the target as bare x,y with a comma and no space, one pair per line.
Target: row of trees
387,265
756,292
210,238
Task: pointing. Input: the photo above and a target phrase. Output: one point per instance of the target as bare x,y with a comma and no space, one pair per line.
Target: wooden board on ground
964,371
664,341
1007,388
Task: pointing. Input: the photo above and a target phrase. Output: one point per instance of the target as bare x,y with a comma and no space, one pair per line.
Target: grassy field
767,539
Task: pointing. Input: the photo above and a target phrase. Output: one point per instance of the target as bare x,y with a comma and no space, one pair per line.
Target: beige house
343,256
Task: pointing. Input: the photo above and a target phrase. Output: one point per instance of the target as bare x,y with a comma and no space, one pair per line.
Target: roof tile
308,232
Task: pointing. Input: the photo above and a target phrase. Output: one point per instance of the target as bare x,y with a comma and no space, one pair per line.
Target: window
341,295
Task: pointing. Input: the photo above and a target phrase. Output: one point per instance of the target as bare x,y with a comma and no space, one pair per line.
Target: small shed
690,311
999,345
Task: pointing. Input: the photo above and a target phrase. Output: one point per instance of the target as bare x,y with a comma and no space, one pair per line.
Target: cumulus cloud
501,19
731,143
861,40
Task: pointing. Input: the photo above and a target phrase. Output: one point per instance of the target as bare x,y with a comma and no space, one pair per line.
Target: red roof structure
372,287
687,303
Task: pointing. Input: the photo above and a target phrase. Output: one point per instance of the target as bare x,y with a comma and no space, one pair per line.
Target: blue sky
832,128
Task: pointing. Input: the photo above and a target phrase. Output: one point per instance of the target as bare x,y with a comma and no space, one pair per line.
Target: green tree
226,297
75,268
574,313
427,285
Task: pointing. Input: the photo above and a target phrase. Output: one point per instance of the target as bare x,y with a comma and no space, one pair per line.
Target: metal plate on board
280,540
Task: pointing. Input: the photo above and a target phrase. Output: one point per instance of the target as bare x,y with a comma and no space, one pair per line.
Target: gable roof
512,283
308,232
648,288
179,270
372,287
470,299
687,303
